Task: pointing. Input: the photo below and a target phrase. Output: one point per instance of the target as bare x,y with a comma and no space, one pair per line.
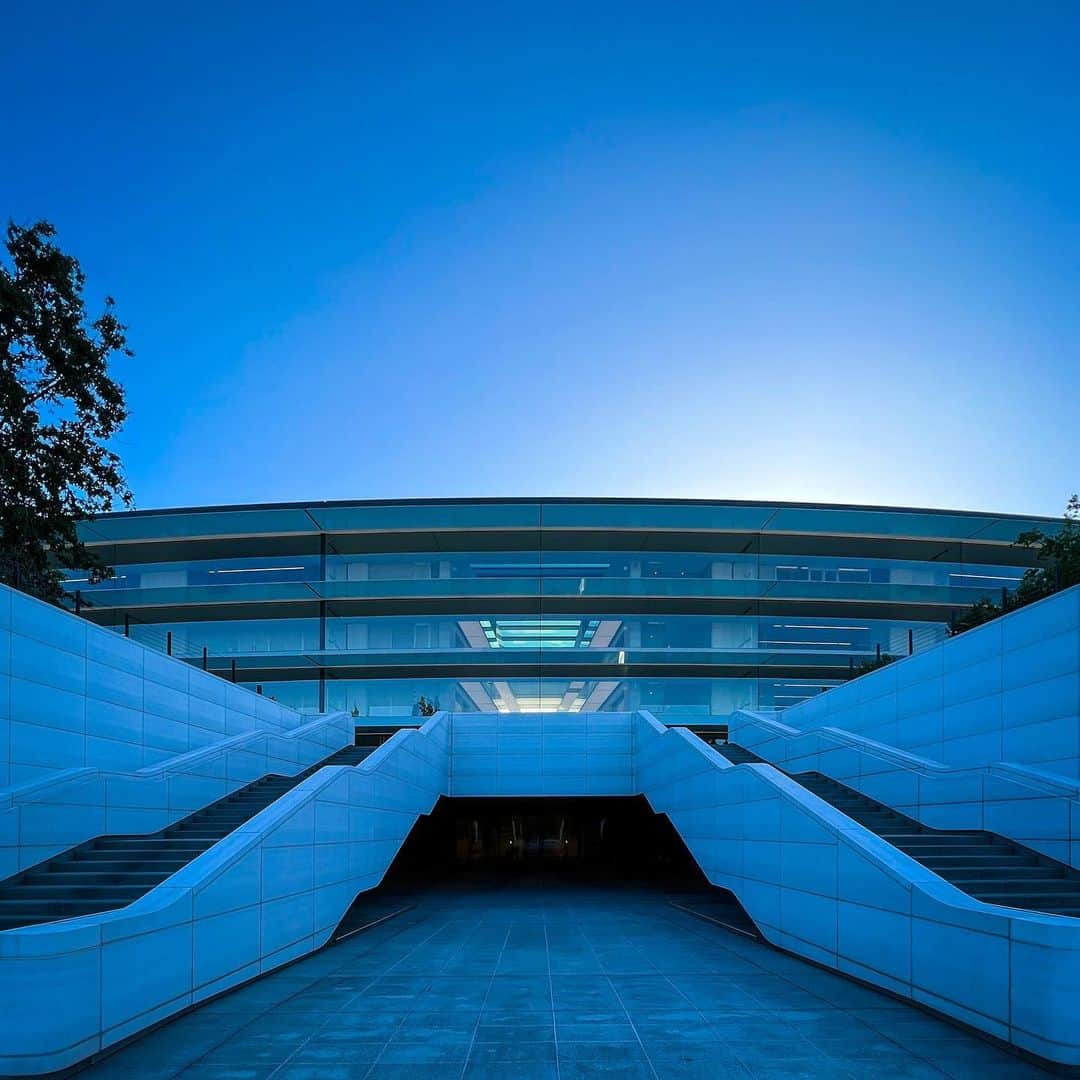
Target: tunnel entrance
606,837
564,848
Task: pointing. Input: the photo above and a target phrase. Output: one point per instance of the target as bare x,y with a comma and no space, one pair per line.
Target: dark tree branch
55,471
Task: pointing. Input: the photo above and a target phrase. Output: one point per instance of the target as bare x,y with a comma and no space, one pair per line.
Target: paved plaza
554,980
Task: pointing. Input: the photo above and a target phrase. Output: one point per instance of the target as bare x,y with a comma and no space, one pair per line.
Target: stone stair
986,866
112,871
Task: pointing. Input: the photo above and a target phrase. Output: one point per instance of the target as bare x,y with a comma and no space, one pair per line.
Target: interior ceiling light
777,641
257,570
983,577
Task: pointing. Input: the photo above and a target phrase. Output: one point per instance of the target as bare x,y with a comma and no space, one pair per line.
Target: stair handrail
1035,778
892,860
210,863
28,791
1018,773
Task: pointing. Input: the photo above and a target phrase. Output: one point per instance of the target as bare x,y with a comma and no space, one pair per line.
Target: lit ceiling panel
537,633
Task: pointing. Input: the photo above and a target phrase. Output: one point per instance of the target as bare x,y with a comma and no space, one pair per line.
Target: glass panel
672,700
494,515
693,516
517,572
729,517
205,572
843,521
602,637
191,523
240,637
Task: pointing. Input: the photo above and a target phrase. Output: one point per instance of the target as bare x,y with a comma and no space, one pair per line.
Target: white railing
819,884
47,816
1020,802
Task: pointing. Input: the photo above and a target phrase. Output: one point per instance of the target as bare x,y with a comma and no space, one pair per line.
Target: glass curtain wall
510,634
552,564
690,698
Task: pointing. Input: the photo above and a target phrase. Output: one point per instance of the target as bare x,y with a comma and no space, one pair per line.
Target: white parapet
822,886
270,892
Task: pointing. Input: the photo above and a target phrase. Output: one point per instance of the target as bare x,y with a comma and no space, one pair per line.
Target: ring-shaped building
690,609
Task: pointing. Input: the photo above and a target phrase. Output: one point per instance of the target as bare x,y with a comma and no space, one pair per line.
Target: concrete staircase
986,866
112,871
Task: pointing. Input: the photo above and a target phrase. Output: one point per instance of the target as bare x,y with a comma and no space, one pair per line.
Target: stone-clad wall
1006,691
73,695
270,892
42,819
1025,804
820,885
551,754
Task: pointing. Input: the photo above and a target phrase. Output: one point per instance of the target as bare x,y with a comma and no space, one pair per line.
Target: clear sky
781,250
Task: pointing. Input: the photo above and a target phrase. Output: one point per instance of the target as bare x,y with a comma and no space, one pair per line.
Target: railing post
910,642
258,688
879,650
168,643
234,669
205,657
127,624
78,601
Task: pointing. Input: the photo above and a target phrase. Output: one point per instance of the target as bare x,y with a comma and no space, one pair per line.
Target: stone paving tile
547,981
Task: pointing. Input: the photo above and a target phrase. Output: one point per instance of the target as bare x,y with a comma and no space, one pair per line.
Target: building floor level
690,609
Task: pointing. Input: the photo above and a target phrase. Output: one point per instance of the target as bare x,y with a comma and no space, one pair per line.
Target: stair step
147,843
950,839
862,807
123,875
160,867
1036,901
1002,872
57,909
951,860
154,854
224,819
880,818
944,844
175,845
101,891
1042,887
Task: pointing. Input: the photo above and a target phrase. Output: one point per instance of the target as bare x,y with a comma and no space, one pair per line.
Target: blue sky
781,251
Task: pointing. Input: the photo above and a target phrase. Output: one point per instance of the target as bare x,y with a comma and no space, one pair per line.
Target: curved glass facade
690,609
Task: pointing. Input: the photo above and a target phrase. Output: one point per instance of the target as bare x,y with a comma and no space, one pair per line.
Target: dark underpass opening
567,844
586,837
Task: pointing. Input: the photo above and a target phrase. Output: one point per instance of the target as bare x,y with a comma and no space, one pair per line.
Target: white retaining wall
1005,691
74,695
